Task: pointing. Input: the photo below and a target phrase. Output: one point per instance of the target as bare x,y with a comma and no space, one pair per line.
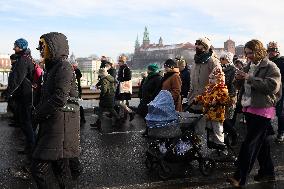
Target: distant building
229,46
147,53
89,67
240,51
5,63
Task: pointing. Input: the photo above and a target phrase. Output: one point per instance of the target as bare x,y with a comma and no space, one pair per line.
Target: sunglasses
272,50
222,59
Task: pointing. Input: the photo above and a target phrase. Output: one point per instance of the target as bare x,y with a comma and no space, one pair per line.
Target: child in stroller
168,142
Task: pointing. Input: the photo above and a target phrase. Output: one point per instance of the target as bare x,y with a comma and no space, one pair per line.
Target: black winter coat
20,78
185,79
150,89
58,110
229,71
124,74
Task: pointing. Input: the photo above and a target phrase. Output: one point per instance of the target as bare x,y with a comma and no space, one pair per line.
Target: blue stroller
169,142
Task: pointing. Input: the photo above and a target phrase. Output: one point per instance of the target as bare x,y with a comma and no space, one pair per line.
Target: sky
110,27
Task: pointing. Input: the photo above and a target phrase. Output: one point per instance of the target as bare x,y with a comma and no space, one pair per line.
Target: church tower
161,42
146,40
137,44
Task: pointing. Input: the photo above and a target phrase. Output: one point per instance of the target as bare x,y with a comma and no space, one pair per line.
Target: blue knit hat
21,43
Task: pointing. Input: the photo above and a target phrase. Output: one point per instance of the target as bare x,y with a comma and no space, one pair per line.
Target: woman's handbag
125,87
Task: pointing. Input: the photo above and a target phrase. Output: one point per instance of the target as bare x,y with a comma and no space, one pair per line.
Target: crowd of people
45,101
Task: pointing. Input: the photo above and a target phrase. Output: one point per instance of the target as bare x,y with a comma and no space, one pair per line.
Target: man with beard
274,56
204,62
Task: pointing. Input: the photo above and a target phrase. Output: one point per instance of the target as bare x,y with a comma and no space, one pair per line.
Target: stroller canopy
161,110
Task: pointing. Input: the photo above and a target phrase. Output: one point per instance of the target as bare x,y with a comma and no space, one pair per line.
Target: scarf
203,57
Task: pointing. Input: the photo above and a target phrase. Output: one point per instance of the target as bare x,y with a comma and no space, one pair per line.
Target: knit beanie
228,56
153,68
205,41
21,43
170,63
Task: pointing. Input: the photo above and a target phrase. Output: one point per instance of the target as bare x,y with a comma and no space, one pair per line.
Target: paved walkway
115,159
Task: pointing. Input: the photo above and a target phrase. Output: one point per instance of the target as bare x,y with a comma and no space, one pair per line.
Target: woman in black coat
57,113
150,88
122,97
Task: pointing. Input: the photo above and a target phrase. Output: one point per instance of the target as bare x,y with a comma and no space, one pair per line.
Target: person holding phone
260,81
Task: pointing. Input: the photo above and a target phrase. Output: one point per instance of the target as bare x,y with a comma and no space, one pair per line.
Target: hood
57,44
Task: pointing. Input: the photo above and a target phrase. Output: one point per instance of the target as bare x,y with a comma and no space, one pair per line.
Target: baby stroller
168,142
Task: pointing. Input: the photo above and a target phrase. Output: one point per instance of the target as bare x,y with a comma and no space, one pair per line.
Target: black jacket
150,89
185,79
229,71
58,110
20,78
124,73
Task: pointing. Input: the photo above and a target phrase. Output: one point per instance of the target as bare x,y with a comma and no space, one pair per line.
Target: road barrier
87,93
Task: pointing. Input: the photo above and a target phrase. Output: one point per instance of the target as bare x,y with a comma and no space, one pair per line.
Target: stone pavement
115,159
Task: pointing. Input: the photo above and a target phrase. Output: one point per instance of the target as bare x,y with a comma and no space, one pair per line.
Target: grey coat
58,110
265,84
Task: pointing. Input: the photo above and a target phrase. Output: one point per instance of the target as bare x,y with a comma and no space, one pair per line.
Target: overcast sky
110,27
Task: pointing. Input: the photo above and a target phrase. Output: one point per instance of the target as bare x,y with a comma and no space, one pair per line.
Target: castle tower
146,40
161,42
137,44
229,46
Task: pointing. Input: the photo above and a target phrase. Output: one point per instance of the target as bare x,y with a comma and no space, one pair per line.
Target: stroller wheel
207,166
164,171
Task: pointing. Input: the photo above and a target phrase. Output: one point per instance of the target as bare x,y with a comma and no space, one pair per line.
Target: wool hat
217,75
205,41
21,43
180,61
153,67
228,56
170,63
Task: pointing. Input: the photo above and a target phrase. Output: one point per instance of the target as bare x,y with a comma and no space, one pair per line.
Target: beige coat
199,79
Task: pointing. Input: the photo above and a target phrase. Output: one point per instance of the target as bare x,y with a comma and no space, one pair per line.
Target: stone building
148,53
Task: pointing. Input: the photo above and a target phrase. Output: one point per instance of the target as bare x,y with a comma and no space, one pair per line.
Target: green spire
137,44
146,35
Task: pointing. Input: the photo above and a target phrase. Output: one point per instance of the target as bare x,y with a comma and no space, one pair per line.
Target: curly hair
257,48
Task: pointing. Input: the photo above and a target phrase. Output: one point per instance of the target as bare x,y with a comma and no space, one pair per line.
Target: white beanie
228,56
205,41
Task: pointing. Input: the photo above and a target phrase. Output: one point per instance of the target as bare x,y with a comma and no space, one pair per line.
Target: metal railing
88,94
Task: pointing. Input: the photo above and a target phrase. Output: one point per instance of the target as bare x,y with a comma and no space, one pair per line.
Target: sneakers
262,177
279,138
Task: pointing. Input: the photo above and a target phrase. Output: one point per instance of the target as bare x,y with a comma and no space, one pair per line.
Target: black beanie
170,63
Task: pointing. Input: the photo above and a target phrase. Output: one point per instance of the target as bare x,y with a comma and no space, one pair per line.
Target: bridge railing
88,94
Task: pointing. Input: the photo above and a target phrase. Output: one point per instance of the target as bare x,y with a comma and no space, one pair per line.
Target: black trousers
42,176
255,146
